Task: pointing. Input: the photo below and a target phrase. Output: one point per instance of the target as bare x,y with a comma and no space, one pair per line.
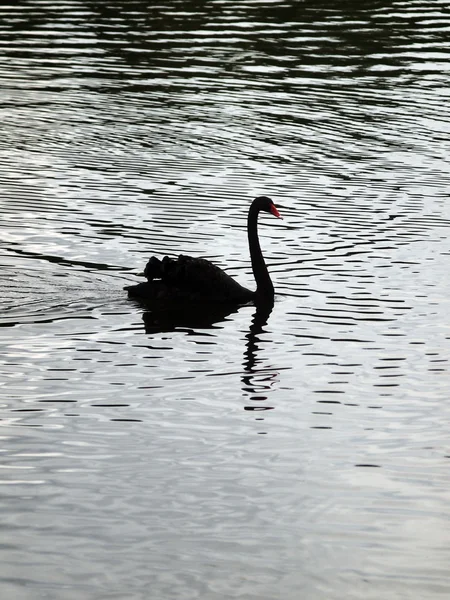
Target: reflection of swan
188,317
196,280
260,318
257,382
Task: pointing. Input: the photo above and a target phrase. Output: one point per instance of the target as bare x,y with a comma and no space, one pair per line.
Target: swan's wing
196,275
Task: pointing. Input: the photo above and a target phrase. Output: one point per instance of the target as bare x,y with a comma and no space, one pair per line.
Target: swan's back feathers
196,276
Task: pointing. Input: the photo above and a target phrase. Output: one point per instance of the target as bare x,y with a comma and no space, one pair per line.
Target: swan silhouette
188,280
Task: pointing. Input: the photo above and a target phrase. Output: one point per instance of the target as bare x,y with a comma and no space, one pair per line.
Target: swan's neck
264,286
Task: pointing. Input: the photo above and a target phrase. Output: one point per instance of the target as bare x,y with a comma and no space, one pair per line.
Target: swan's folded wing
197,275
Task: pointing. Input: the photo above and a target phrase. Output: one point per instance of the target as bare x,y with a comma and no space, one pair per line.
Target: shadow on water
364,31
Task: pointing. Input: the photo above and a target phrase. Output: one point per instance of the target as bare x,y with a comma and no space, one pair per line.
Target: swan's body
195,280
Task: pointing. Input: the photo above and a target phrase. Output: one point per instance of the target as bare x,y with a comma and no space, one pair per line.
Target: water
302,453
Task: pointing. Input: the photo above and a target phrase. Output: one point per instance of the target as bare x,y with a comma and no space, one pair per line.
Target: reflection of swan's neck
259,319
264,286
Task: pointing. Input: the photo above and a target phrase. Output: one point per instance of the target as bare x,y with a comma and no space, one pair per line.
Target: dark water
307,457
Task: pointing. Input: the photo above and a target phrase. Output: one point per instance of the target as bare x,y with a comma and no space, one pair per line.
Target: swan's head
266,204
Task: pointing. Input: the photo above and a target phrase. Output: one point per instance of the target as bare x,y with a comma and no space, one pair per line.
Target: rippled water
302,453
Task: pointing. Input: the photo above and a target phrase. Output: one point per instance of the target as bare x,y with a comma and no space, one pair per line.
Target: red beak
274,211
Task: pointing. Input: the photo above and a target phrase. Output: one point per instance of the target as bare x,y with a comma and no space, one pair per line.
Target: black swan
188,280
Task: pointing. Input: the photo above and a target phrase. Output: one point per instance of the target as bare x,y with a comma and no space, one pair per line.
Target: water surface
301,453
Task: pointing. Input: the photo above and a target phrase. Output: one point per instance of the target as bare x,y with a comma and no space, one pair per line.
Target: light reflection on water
298,453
